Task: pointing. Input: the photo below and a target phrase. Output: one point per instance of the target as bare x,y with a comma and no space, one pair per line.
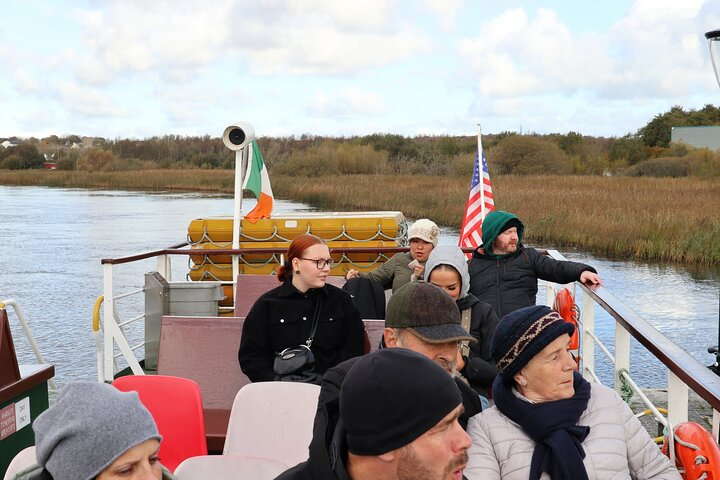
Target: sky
141,68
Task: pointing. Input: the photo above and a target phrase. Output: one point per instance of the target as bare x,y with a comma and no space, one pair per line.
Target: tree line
647,152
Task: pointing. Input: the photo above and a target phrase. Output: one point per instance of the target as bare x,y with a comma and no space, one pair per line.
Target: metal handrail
28,335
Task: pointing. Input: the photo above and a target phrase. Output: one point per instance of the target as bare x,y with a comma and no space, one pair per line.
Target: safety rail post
108,348
111,332
587,323
677,399
622,353
164,267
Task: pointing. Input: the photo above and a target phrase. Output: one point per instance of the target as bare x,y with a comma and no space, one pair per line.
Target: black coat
282,318
328,448
510,282
479,369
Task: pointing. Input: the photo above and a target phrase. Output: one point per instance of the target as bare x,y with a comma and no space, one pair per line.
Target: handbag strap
316,319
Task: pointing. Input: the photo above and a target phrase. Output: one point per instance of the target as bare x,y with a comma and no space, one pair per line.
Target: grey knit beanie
88,428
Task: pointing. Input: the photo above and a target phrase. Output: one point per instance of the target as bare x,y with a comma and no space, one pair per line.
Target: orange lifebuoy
696,453
565,306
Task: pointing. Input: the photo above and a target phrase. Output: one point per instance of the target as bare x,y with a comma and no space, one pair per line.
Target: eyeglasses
320,262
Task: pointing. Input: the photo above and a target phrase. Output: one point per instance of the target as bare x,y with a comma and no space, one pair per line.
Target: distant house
49,162
698,137
11,142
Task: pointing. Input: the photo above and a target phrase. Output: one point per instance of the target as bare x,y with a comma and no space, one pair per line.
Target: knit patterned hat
88,428
426,230
522,334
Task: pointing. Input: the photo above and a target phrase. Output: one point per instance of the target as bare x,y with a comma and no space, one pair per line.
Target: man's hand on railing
590,278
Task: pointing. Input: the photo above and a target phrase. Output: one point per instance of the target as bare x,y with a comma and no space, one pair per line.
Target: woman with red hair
304,310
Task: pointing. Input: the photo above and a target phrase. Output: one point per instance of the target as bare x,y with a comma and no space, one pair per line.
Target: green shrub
529,155
659,167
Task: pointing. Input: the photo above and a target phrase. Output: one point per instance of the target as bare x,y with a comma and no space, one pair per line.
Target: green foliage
628,149
66,163
12,162
330,158
529,155
27,156
95,160
659,167
657,132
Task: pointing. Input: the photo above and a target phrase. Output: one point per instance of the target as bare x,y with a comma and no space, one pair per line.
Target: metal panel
699,137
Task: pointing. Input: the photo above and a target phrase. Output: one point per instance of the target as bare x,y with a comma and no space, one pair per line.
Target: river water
52,241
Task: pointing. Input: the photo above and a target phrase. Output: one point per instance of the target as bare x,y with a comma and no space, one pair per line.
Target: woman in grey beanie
95,431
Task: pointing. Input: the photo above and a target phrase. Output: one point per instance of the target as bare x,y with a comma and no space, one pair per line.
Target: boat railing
25,325
684,372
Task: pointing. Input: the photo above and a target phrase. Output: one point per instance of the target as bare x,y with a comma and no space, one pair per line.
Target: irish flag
258,182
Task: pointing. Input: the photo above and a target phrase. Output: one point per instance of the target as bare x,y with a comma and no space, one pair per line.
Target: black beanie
522,334
392,396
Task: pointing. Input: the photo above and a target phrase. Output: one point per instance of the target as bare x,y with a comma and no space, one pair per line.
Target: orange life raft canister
698,456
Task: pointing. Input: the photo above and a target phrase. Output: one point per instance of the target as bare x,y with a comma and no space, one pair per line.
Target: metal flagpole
481,173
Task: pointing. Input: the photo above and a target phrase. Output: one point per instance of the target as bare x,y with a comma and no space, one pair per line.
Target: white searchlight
238,137
713,39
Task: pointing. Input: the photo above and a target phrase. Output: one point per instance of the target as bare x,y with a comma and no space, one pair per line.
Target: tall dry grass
666,219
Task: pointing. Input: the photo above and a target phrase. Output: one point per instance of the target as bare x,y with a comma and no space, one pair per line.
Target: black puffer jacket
510,282
282,318
479,369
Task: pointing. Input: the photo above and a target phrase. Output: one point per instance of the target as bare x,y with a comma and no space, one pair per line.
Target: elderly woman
447,268
547,421
304,310
405,267
95,431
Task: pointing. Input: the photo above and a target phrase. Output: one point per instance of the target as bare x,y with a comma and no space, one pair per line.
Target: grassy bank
643,218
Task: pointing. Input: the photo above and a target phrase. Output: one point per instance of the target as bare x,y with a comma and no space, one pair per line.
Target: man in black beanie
398,419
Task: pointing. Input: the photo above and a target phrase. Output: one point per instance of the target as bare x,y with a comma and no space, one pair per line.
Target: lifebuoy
565,306
696,453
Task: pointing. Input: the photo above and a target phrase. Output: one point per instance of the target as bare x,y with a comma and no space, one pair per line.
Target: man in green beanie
504,273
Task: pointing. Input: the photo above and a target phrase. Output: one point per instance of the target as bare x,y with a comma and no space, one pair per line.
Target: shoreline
672,220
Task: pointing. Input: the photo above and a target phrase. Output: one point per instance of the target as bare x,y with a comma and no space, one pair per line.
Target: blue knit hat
522,334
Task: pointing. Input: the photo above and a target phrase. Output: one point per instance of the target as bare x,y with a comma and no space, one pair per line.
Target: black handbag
297,364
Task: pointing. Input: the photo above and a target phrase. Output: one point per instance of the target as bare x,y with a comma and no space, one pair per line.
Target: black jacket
328,448
479,369
510,282
282,318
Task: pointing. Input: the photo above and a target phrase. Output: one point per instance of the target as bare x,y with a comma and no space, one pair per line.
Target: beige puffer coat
618,447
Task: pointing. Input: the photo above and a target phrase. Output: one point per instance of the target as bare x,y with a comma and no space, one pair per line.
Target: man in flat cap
396,418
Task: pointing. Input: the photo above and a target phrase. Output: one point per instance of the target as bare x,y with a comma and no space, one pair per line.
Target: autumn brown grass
665,219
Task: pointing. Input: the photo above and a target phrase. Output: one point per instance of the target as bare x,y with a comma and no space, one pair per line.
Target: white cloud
347,103
87,101
25,82
446,11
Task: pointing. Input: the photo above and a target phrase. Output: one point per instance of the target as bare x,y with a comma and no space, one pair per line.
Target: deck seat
374,332
250,287
204,349
176,406
24,459
229,466
273,420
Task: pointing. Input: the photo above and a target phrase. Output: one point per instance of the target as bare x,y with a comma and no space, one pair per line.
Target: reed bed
659,219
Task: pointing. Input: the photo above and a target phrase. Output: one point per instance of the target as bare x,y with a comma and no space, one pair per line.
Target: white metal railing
28,335
683,370
110,333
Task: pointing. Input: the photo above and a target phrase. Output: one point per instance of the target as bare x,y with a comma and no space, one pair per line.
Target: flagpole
481,172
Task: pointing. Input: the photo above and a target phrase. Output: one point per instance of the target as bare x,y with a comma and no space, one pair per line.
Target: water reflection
52,241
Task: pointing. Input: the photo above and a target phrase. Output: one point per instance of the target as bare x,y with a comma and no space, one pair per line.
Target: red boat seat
176,406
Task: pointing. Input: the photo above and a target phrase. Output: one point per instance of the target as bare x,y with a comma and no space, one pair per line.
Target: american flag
480,202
